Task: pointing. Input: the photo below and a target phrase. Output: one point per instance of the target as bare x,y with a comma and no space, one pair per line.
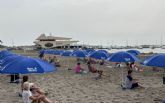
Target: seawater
144,50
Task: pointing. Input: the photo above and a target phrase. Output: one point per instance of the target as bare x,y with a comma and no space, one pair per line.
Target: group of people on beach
32,93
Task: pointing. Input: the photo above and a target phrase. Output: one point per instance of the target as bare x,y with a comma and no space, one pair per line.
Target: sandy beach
67,87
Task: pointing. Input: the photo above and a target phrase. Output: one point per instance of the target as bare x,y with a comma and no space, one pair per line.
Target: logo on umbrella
32,69
127,59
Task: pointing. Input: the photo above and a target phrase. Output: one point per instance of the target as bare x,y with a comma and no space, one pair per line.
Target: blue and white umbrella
135,52
27,65
123,56
66,53
98,55
79,53
155,61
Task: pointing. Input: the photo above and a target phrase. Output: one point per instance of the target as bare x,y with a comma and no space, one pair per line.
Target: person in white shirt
28,97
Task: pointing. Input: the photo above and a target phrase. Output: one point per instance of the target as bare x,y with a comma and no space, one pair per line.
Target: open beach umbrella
135,52
79,53
66,53
122,56
27,65
155,61
89,50
102,50
9,59
58,52
5,53
98,55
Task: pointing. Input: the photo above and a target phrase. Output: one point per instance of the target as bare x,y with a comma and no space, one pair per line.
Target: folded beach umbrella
135,52
122,56
66,53
27,65
98,55
79,53
155,61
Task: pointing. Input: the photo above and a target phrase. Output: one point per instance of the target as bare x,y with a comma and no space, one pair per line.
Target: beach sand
67,87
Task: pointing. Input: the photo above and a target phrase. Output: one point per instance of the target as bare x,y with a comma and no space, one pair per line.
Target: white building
52,41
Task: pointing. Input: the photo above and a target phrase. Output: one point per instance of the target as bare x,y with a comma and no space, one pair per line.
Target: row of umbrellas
16,64
11,63
99,54
157,60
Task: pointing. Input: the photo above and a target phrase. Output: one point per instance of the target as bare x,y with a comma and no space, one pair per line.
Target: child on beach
79,69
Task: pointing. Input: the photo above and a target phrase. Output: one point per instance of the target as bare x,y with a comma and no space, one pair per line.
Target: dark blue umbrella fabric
27,65
135,52
122,57
5,53
103,51
98,55
156,61
9,59
79,53
66,53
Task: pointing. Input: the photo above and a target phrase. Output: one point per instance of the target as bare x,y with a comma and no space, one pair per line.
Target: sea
144,50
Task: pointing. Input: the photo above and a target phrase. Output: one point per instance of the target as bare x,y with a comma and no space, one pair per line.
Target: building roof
43,37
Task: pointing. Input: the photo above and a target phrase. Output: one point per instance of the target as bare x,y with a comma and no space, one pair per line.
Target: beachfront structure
44,41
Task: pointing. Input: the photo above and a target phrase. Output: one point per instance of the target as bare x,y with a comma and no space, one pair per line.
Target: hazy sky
107,22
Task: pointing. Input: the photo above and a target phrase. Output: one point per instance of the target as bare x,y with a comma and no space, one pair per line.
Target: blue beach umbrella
5,53
9,59
27,65
155,61
135,52
79,53
89,50
122,56
103,51
66,53
98,55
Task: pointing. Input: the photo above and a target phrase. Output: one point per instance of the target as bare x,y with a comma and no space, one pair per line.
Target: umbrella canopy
5,53
89,50
103,51
79,53
122,57
134,52
9,59
27,65
66,53
156,60
98,55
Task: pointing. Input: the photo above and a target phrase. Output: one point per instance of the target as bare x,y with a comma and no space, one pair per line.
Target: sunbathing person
28,95
131,83
93,70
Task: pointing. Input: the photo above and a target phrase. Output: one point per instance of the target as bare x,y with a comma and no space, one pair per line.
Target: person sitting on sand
28,97
79,69
131,83
93,70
